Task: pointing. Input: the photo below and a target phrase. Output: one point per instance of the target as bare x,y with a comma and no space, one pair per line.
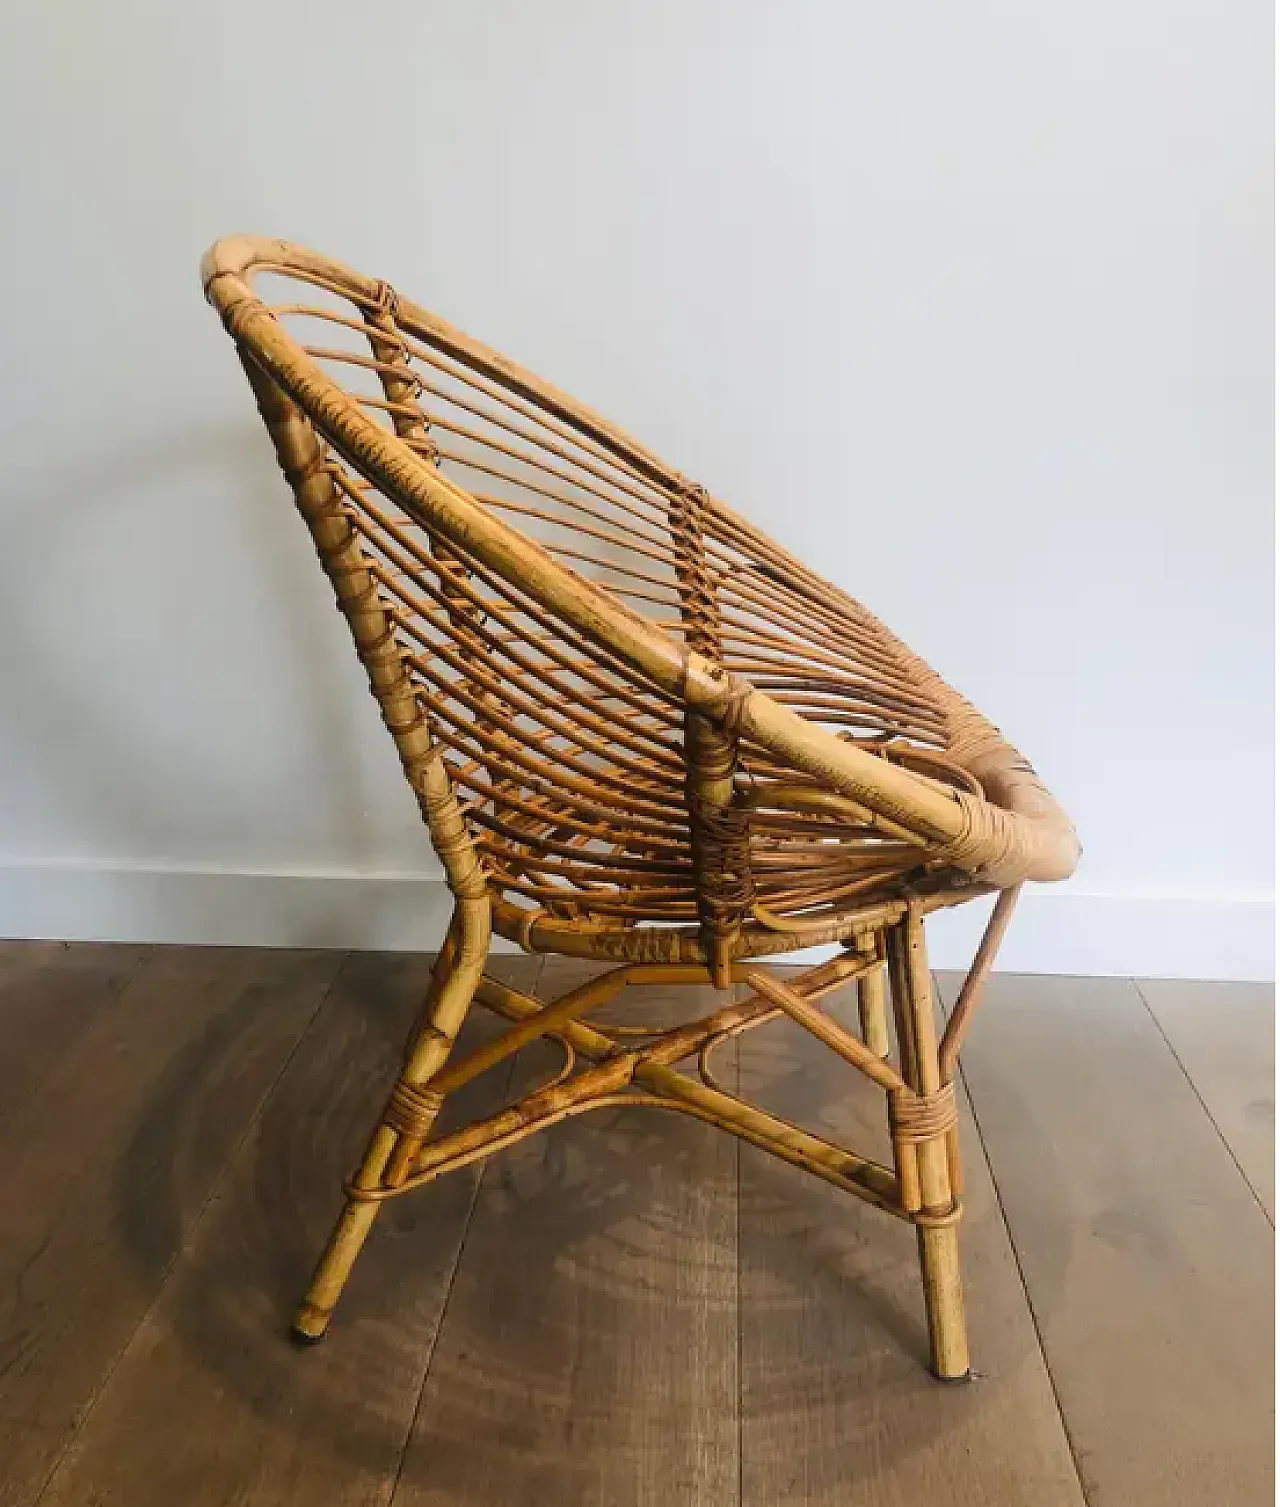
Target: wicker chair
640,732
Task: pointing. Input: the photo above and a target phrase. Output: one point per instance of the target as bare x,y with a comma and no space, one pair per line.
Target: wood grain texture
1224,1035
110,1166
1147,1260
589,1351
837,1407
234,1412
50,993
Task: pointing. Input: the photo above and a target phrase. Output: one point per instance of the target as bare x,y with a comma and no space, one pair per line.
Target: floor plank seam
1026,1292
472,1204
412,1427
189,1240
1182,1067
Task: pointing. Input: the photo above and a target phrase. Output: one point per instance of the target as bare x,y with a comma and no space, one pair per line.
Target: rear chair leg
872,1015
409,1116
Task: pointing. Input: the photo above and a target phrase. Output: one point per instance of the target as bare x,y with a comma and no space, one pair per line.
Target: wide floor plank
50,993
1224,1035
589,1350
108,1168
837,1406
1146,1257
211,1403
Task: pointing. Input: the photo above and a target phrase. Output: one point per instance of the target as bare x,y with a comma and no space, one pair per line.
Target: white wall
968,303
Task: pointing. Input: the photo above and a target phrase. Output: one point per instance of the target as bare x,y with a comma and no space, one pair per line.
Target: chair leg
408,1118
871,1012
929,1168
944,1302
339,1256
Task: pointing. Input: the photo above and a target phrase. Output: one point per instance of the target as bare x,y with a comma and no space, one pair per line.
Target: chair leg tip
310,1326
952,1381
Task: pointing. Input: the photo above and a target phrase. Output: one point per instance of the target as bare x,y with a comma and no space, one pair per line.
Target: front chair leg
944,1301
408,1118
925,1146
344,1244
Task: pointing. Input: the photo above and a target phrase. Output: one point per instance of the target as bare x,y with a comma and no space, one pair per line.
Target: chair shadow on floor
569,1200
572,1206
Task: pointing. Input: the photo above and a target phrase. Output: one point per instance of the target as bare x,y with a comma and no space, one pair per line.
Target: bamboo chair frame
746,764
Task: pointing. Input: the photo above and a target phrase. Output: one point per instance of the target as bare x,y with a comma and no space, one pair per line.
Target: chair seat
818,865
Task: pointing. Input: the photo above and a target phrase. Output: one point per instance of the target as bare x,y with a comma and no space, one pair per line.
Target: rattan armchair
640,732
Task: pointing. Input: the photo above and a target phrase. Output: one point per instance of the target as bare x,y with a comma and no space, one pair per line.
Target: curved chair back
622,706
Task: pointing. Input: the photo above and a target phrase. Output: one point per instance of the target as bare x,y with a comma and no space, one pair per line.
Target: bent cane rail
639,731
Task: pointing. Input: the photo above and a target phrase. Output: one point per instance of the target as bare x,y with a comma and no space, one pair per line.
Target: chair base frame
608,1066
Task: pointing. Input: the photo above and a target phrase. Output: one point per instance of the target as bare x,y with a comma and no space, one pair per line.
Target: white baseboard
1055,930
226,908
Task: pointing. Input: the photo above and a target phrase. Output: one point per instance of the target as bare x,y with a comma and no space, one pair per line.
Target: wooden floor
634,1309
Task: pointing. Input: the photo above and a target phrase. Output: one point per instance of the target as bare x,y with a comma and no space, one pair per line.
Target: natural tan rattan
639,731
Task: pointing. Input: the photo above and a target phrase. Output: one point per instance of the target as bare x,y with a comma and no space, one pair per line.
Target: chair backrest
605,658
